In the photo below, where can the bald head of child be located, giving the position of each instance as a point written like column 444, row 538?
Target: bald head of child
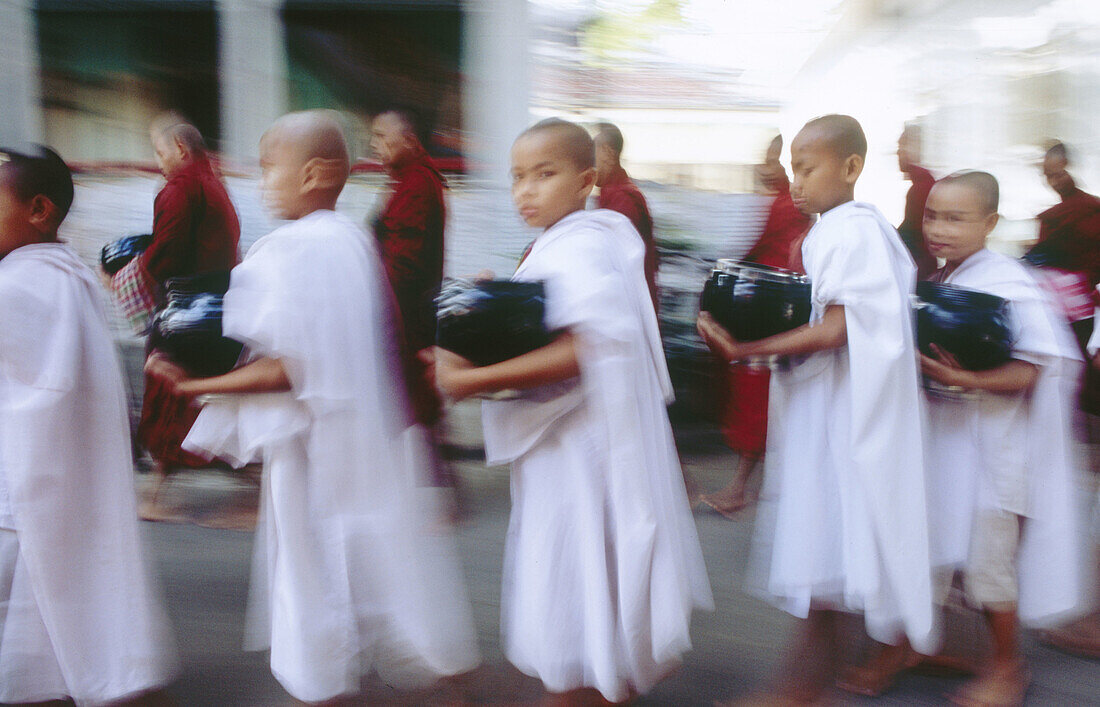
column 553, row 171
column 959, row 215
column 305, row 163
column 36, row 191
column 827, row 158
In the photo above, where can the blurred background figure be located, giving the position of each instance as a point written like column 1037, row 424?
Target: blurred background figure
column 409, row 227
column 911, row 229
column 745, row 418
column 195, row 231
column 619, row 193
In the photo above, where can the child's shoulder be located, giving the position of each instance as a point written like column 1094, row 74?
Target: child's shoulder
column 589, row 231
column 853, row 225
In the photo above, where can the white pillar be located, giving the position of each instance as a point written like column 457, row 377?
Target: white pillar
column 253, row 70
column 20, row 90
column 496, row 93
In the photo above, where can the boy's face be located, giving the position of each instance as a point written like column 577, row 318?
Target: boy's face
column 955, row 222
column 821, row 179
column 546, row 184
column 280, row 179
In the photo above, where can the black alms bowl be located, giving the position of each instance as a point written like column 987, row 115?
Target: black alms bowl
column 754, row 301
column 189, row 328
column 489, row 321
column 117, row 254
column 972, row 326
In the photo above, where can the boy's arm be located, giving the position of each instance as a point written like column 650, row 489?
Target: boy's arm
column 264, row 375
column 457, row 378
column 831, row 332
column 1012, row 377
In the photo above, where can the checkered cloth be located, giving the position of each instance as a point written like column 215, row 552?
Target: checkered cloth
column 134, row 291
column 1070, row 291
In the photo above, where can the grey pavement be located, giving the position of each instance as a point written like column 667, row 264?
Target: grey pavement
column 737, row 647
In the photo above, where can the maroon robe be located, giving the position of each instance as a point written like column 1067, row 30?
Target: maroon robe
column 1073, row 228
column 619, row 193
column 745, row 419
column 195, row 230
column 911, row 229
column 409, row 230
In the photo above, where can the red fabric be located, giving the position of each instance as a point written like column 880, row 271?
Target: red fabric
column 409, row 230
column 745, row 418
column 1073, row 226
column 195, row 230
column 911, row 229
column 195, row 227
column 745, row 423
column 620, row 194
column 784, row 226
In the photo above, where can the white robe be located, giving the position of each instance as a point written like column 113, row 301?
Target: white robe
column 842, row 520
column 602, row 563
column 79, row 612
column 352, row 569
column 1014, row 452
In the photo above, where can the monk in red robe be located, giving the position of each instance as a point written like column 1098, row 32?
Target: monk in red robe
column 745, row 419
column 619, row 193
column 195, row 230
column 409, row 229
column 1072, row 227
column 911, row 229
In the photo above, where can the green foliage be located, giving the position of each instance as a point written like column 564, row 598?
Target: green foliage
column 611, row 35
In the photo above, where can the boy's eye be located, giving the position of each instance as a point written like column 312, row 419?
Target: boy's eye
column 545, row 175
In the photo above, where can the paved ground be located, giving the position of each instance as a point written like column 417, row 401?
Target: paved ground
column 737, row 647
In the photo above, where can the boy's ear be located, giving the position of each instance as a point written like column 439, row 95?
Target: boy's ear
column 991, row 222
column 853, row 167
column 43, row 215
column 322, row 174
column 589, row 177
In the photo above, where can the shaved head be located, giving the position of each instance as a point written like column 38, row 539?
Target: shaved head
column 841, row 134
column 1057, row 151
column 174, row 127
column 573, row 140
column 305, row 163
column 775, row 149
column 982, row 184
column 610, row 135
column 306, row 135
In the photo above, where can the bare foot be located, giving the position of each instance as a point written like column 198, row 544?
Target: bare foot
column 1001, row 686
column 728, row 501
column 878, row 674
column 1082, row 637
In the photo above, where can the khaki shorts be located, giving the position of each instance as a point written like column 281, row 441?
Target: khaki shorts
column 991, row 580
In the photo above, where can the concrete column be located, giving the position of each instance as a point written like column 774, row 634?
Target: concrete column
column 496, row 93
column 253, row 70
column 20, row 89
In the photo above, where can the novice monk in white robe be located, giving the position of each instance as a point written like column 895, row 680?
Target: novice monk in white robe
column 602, row 564
column 79, row 614
column 842, row 523
column 1002, row 463
column 353, row 570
